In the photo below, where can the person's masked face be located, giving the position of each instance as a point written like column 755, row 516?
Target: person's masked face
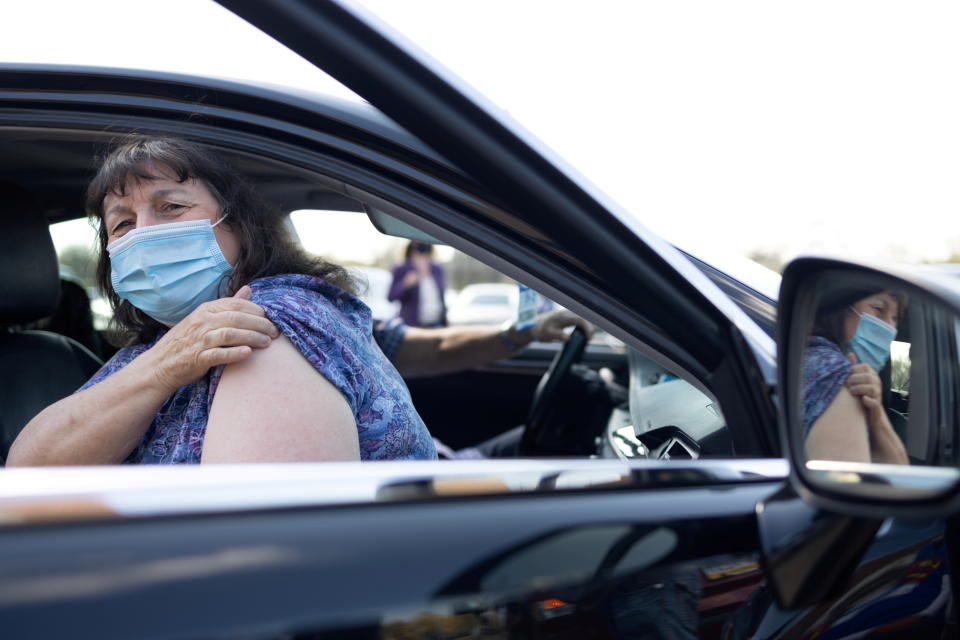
column 169, row 252
column 870, row 327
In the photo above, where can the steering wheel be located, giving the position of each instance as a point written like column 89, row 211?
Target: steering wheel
column 548, row 388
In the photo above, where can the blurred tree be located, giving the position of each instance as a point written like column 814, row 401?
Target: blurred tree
column 389, row 257
column 770, row 259
column 464, row 270
column 80, row 263
column 954, row 256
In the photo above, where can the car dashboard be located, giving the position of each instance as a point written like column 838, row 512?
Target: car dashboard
column 666, row 418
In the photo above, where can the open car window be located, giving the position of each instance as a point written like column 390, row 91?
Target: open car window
column 643, row 409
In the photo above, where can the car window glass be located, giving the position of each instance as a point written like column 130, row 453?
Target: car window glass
column 653, row 413
column 75, row 243
column 475, row 294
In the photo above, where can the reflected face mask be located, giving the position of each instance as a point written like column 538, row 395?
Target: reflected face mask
column 168, row 270
column 871, row 342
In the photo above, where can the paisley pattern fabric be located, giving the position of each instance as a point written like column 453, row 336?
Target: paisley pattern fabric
column 825, row 370
column 332, row 329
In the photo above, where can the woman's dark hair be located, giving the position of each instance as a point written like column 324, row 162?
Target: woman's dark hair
column 267, row 247
column 830, row 318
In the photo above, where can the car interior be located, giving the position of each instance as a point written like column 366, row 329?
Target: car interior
column 610, row 401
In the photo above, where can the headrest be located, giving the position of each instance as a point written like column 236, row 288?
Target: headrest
column 29, row 277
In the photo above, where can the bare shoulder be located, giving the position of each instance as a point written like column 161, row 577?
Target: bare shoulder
column 279, row 372
column 280, row 355
column 274, row 406
column 840, row 433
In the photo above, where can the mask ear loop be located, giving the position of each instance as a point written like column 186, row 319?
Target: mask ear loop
column 222, row 218
column 847, row 344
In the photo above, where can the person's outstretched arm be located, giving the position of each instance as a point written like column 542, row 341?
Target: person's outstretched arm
column 430, row 352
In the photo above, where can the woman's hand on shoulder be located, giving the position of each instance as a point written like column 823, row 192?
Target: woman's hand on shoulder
column 864, row 383
column 218, row 332
column 885, row 445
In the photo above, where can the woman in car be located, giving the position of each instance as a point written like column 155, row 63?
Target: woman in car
column 242, row 348
column 844, row 417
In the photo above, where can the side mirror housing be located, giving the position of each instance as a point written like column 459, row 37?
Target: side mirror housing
column 868, row 379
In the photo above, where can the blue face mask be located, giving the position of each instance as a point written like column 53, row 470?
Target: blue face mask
column 871, row 342
column 168, row 270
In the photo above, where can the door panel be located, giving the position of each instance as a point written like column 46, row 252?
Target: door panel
column 540, row 566
column 900, row 589
column 464, row 409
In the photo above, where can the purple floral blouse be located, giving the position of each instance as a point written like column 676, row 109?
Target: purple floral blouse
column 332, row 329
column 825, row 370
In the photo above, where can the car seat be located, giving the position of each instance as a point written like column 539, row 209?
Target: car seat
column 73, row 318
column 37, row 368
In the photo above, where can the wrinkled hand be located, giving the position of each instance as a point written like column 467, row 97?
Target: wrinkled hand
column 217, row 332
column 864, row 383
column 549, row 326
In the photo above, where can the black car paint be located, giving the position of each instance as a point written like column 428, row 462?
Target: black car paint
column 320, row 570
column 379, row 569
column 303, row 572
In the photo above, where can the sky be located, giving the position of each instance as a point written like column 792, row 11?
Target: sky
column 816, row 126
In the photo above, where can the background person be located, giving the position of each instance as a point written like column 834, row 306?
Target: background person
column 844, row 417
column 418, row 284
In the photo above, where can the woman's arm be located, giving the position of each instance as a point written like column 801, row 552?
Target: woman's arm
column 840, row 433
column 99, row 425
column 431, row 352
column 103, row 424
column 849, row 431
column 275, row 407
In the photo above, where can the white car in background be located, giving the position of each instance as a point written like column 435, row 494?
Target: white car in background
column 485, row 303
column 374, row 286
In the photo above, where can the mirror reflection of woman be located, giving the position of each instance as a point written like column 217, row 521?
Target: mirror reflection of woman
column 844, row 416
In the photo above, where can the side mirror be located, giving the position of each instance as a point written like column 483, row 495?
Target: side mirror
column 869, row 376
